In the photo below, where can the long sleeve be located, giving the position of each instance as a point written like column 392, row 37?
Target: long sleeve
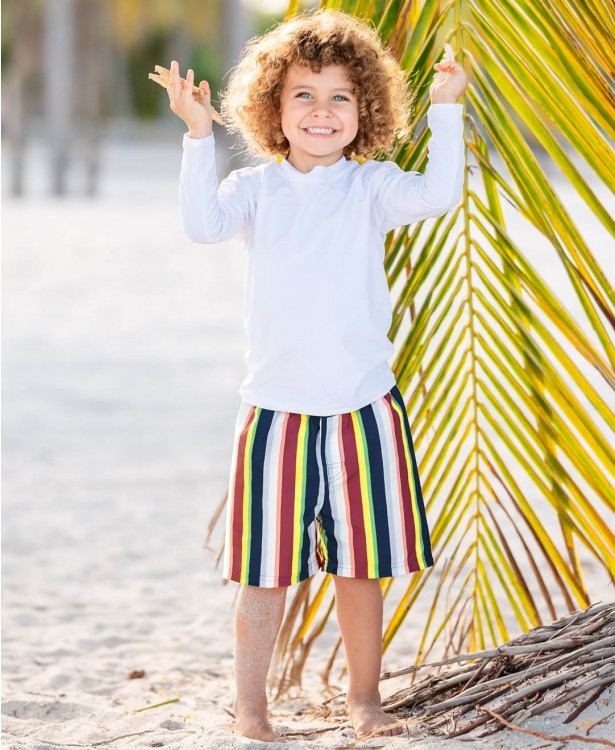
column 210, row 213
column 404, row 197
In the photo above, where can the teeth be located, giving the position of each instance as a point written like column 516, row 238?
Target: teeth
column 324, row 131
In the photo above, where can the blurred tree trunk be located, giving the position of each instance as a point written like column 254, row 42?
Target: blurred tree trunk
column 58, row 75
column 91, row 45
column 236, row 30
column 20, row 70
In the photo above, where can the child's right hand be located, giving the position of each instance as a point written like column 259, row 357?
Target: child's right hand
column 195, row 112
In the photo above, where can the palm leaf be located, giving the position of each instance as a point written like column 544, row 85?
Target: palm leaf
column 509, row 384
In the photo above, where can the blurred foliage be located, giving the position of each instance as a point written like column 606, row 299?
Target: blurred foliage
column 154, row 33
column 139, row 35
column 133, row 21
column 142, row 34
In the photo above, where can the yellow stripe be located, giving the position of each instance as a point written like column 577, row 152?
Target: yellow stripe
column 418, row 535
column 299, row 495
column 247, row 499
column 365, row 495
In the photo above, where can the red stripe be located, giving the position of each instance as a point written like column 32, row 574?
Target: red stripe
column 409, row 532
column 354, row 505
column 238, row 490
column 288, row 461
column 278, row 514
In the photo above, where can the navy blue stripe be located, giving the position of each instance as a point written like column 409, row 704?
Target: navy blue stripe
column 326, row 517
column 312, row 481
column 257, row 461
column 424, row 530
column 378, row 490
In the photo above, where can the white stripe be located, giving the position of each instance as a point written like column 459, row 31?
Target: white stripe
column 391, row 482
column 336, row 492
column 270, row 496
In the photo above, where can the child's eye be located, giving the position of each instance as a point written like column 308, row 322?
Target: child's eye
column 335, row 97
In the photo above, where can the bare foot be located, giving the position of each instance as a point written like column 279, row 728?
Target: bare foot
column 256, row 727
column 369, row 717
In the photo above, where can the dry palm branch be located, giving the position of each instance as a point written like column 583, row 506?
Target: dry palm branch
column 508, row 380
column 569, row 660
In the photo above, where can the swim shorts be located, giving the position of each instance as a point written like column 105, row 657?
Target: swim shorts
column 339, row 493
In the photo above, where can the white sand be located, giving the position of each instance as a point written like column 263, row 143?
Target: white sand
column 122, row 356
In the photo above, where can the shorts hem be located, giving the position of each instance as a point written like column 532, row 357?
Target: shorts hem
column 396, row 570
column 269, row 582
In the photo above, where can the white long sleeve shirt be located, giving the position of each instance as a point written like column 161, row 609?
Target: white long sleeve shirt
column 317, row 306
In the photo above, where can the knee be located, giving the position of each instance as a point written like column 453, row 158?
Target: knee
column 262, row 592
column 356, row 584
column 256, row 599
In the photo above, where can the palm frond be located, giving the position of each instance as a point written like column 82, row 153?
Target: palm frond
column 509, row 381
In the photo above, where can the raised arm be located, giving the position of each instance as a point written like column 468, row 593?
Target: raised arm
column 405, row 197
column 208, row 212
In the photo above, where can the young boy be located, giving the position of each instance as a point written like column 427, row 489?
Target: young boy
column 323, row 474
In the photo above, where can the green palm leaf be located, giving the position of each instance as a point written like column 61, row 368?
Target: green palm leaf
column 507, row 383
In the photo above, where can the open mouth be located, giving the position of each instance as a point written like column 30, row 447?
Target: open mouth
column 320, row 132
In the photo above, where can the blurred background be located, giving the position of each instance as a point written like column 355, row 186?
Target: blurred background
column 75, row 74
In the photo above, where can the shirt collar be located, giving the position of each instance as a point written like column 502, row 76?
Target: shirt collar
column 320, row 171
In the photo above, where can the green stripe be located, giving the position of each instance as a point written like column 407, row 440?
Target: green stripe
column 246, row 536
column 303, row 494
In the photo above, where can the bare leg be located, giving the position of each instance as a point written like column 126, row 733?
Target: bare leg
column 257, row 622
column 359, row 614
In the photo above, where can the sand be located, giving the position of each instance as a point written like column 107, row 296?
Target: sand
column 122, row 355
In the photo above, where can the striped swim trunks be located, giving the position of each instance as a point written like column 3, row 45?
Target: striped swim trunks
column 339, row 493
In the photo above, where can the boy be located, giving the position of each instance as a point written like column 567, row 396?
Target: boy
column 323, row 473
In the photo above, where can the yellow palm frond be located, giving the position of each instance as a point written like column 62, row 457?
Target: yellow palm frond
column 503, row 321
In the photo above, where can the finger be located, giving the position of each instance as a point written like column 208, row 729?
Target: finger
column 175, row 86
column 188, row 84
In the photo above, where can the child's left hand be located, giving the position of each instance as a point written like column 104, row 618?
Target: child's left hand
column 454, row 85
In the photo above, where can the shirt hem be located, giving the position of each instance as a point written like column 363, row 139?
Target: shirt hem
column 319, row 411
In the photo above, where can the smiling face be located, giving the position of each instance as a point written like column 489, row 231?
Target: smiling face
column 319, row 115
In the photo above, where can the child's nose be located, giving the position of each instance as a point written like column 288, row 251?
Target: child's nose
column 321, row 107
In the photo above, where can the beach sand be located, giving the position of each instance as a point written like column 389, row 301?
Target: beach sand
column 123, row 350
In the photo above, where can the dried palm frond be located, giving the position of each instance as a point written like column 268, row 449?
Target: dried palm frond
column 504, row 323
column 570, row 661
column 572, row 658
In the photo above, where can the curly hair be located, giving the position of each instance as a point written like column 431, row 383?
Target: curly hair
column 250, row 105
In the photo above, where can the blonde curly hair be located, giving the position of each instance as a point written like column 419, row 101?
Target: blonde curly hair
column 250, row 105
